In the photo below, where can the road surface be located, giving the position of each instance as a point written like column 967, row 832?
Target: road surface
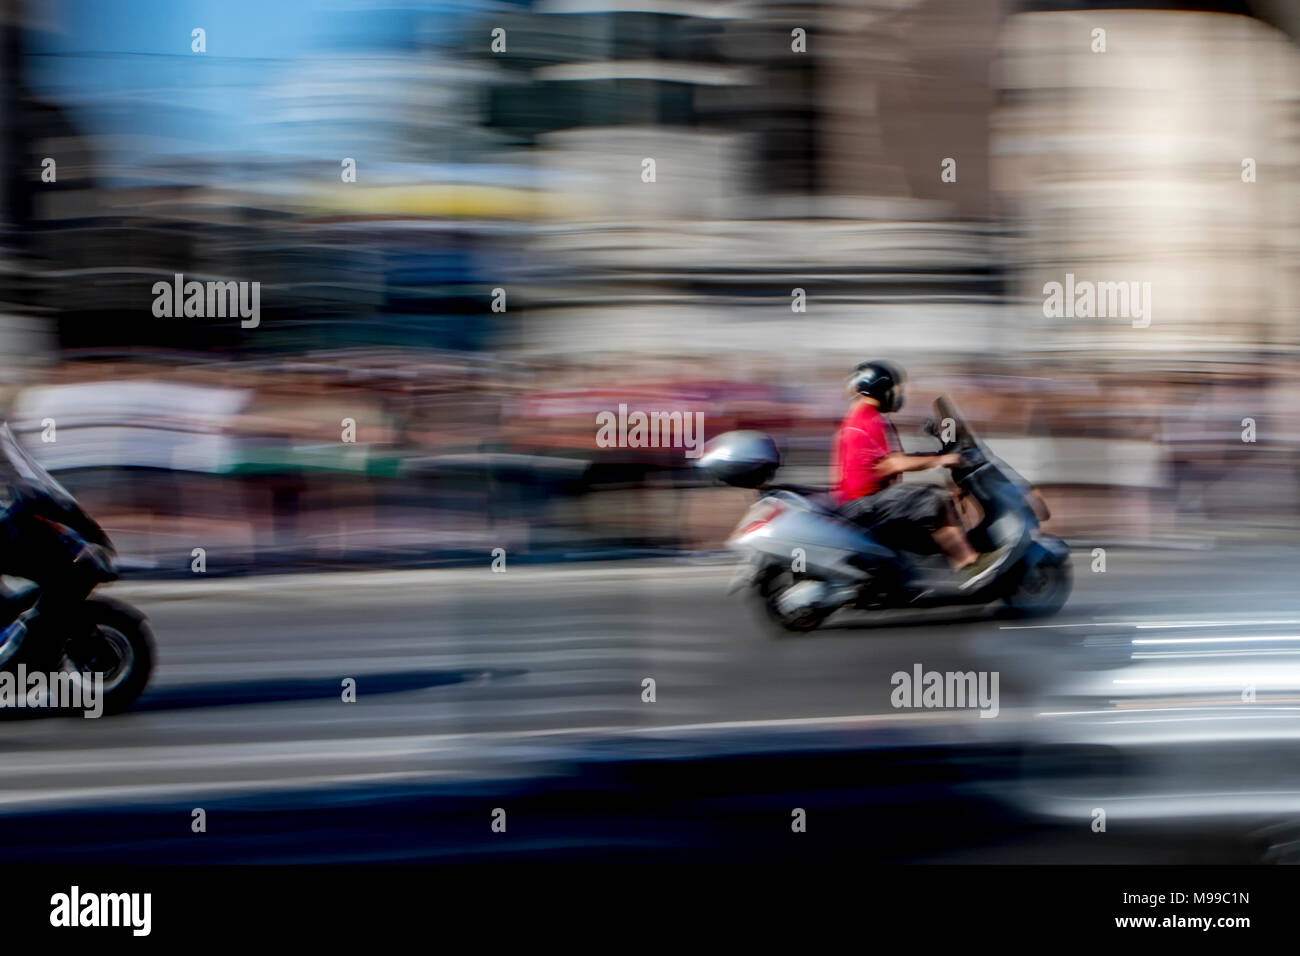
column 466, row 674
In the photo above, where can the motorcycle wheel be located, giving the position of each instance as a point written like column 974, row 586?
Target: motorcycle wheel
column 1041, row 590
column 767, row 589
column 119, row 643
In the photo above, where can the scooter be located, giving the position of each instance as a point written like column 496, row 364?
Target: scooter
column 803, row 560
column 86, row 638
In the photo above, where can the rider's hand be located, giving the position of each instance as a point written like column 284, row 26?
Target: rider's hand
column 949, row 461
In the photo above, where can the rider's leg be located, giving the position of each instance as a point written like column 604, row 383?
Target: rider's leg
column 61, row 563
column 952, row 542
column 949, row 536
column 906, row 513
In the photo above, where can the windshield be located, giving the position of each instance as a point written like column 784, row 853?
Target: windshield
column 30, row 471
column 945, row 410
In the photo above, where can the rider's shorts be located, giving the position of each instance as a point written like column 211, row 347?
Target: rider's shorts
column 903, row 516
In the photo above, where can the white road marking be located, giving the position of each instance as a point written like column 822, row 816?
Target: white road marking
column 1150, row 625
column 1234, row 639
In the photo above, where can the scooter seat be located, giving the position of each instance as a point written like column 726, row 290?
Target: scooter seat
column 819, row 497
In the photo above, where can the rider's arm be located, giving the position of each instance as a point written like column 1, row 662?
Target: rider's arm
column 897, row 463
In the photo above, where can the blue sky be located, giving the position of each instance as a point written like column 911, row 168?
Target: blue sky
column 126, row 67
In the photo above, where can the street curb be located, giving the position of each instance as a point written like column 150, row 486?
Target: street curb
column 197, row 587
column 706, row 564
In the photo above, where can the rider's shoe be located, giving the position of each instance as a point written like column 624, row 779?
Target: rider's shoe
column 983, row 570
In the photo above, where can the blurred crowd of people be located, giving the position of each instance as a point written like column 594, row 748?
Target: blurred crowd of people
column 357, row 454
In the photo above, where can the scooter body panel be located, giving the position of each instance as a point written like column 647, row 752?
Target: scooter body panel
column 830, row 547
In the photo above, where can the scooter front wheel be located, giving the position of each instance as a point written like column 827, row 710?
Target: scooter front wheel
column 1042, row 589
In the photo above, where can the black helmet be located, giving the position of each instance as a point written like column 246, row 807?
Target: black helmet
column 882, row 381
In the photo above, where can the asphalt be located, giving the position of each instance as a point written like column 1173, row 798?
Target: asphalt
column 454, row 668
column 467, row 675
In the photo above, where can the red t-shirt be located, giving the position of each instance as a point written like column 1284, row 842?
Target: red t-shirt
column 862, row 441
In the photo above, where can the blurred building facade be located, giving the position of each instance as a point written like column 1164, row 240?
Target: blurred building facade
column 1169, row 158
column 831, row 181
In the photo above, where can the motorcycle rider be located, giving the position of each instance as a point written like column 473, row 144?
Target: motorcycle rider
column 867, row 462
column 52, row 555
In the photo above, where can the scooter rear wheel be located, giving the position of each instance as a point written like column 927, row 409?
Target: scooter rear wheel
column 767, row 590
